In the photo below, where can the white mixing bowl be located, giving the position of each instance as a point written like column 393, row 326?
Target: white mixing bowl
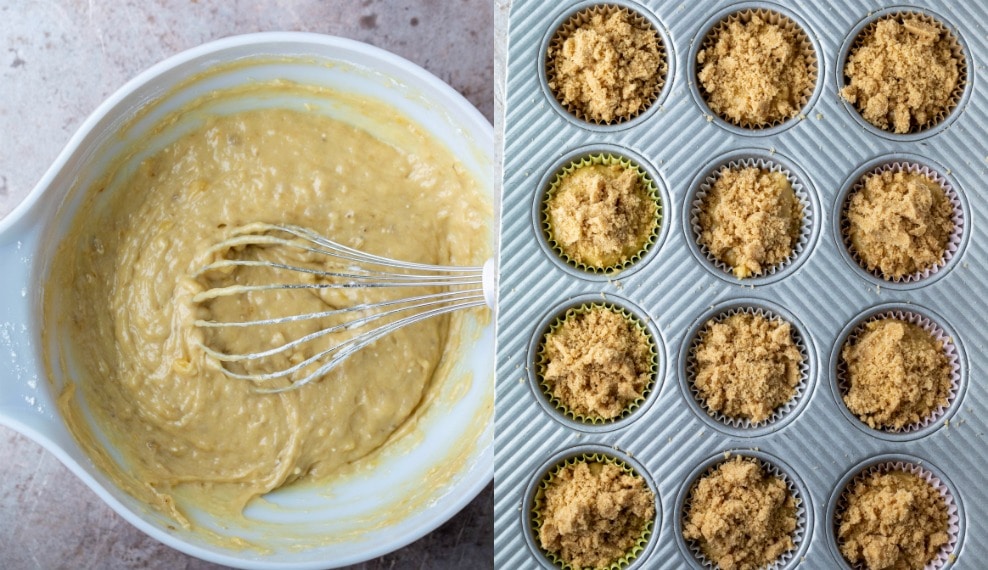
column 405, row 494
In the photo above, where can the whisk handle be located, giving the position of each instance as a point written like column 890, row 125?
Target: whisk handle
column 490, row 283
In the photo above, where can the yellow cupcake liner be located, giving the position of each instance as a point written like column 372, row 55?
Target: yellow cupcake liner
column 570, row 26
column 541, row 363
column 536, row 514
column 605, row 159
column 944, row 556
column 953, row 241
column 798, row 536
column 941, row 336
column 955, row 48
column 775, row 18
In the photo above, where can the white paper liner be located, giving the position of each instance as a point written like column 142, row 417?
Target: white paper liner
column 780, row 412
column 953, row 515
column 764, row 164
column 575, row 21
column 949, row 349
column 779, row 19
column 540, row 364
column 953, row 241
column 773, row 470
column 956, row 50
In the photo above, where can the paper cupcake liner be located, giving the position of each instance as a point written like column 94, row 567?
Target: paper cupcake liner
column 802, row 194
column 943, row 558
column 536, row 514
column 949, row 349
column 777, row 19
column 541, row 363
column 798, row 535
column 607, row 159
column 953, row 241
column 956, row 50
column 582, row 17
column 780, row 412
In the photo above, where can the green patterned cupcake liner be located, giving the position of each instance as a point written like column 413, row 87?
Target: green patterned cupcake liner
column 538, row 500
column 605, row 159
column 542, row 363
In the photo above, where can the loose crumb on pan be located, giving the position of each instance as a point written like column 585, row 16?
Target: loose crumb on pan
column 609, row 68
column 594, row 513
column 747, row 366
column 902, row 73
column 601, row 215
column 897, row 373
column 756, row 73
column 893, row 520
column 750, row 219
column 741, row 517
column 900, row 222
column 597, row 363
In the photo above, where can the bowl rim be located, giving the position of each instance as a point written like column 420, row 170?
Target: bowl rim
column 28, row 209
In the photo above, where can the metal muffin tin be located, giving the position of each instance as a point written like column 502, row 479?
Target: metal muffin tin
column 818, row 444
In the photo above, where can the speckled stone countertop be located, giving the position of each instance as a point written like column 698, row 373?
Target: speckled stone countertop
column 58, row 60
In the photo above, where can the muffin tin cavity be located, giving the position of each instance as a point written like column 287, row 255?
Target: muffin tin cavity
column 600, row 156
column 892, row 463
column 765, row 161
column 739, row 426
column 537, row 362
column 958, row 97
column 650, row 88
column 794, row 29
column 931, row 323
column 912, row 164
column 771, row 466
column 532, row 517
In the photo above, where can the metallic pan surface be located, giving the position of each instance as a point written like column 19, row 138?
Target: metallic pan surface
column 675, row 288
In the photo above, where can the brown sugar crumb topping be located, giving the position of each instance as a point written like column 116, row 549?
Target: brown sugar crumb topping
column 750, row 219
column 894, row 521
column 594, row 513
column 601, row 215
column 900, row 223
column 903, row 73
column 597, row 363
column 741, row 517
column 898, row 374
column 609, row 67
column 756, row 73
column 747, row 366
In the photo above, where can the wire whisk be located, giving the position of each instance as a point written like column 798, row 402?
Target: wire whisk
column 247, row 279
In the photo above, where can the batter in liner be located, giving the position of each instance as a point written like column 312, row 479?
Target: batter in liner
column 185, row 429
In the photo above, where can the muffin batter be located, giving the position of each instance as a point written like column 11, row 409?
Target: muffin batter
column 184, row 428
column 899, row 223
column 750, row 219
column 594, row 513
column 893, row 521
column 756, row 73
column 897, row 374
column 597, row 363
column 904, row 73
column 741, row 517
column 601, row 215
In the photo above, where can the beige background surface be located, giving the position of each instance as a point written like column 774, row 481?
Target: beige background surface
column 58, row 61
